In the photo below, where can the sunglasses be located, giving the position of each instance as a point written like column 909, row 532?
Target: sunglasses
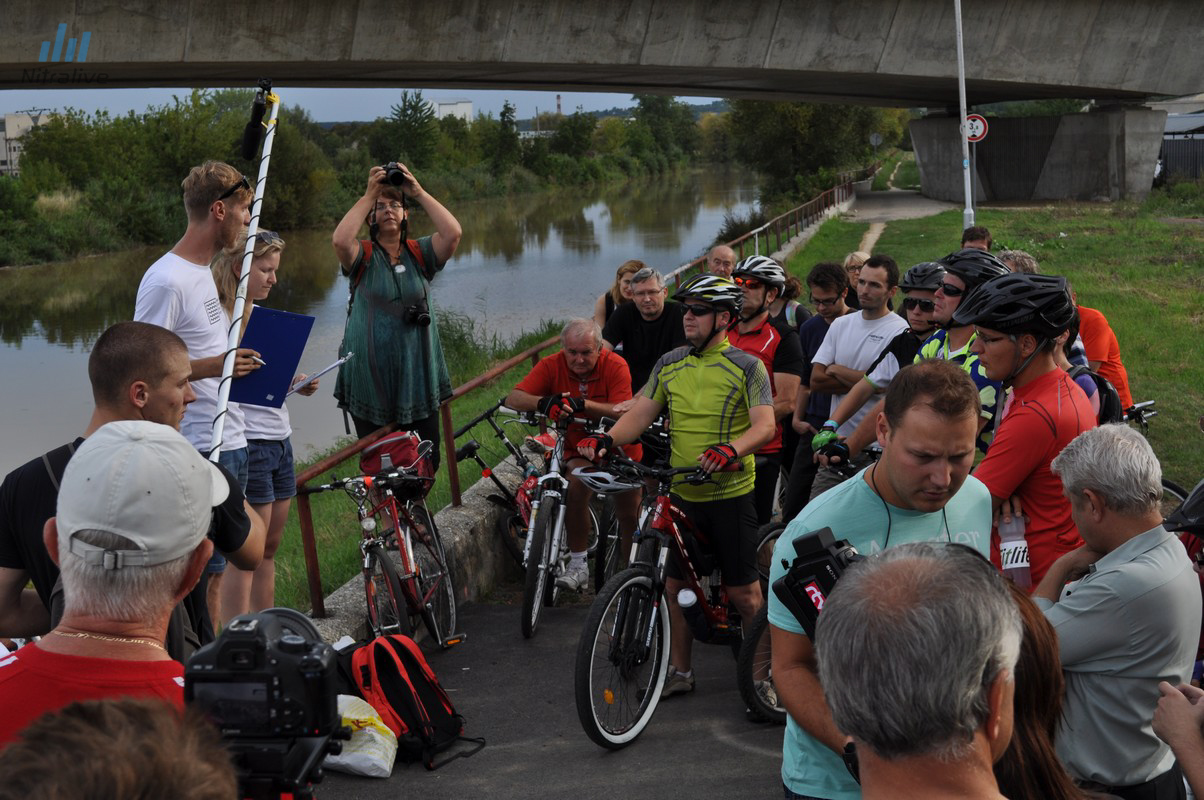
column 243, row 183
column 949, row 290
column 268, row 237
column 698, row 310
column 747, row 283
column 910, row 303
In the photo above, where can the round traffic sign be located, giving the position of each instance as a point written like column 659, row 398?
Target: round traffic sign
column 976, row 127
column 875, row 138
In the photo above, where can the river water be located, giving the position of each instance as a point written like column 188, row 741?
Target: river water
column 521, row 260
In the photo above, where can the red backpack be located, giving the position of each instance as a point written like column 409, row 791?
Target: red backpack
column 391, row 673
column 399, row 451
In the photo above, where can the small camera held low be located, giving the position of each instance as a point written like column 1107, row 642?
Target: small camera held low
column 819, row 562
column 418, row 314
column 394, row 174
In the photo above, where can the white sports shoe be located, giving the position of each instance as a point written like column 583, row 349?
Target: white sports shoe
column 574, row 578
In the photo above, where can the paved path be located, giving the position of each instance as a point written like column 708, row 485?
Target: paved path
column 519, row 695
column 895, row 204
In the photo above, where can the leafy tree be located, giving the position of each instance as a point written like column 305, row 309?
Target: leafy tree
column 610, row 137
column 715, row 138
column 671, row 123
column 415, row 129
column 504, row 150
column 574, row 134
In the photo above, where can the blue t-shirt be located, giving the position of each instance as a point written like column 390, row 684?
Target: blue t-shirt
column 811, row 335
column 855, row 512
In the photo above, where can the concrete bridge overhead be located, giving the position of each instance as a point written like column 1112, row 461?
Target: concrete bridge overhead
column 880, row 52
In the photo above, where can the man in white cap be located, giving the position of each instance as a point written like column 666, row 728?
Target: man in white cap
column 130, row 541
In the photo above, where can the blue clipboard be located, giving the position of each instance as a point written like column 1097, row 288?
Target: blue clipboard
column 279, row 337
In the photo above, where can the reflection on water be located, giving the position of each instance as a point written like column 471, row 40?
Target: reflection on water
column 521, row 260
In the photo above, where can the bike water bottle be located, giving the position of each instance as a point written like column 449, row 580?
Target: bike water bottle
column 687, row 600
column 1013, row 551
column 826, row 435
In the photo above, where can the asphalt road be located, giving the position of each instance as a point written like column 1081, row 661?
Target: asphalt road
column 518, row 694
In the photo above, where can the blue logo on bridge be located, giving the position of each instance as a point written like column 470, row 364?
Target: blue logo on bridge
column 71, row 54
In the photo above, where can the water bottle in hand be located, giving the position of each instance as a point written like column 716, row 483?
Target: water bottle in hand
column 1013, row 551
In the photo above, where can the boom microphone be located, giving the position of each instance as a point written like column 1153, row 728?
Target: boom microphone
column 252, row 135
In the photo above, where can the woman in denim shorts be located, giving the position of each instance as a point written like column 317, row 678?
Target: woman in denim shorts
column 271, row 482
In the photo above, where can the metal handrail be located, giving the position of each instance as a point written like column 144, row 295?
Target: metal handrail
column 798, row 219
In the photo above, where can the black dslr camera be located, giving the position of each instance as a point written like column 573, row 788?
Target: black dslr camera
column 419, row 314
column 819, row 562
column 269, row 684
column 394, row 175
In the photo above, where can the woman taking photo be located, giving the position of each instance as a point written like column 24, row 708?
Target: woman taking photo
column 398, row 373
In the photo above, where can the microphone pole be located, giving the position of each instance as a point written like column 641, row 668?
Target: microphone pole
column 250, row 143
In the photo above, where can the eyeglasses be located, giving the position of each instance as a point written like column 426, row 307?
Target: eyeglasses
column 819, row 303
column 646, row 293
column 910, row 303
column 243, row 183
column 993, row 339
column 747, row 283
column 949, row 290
column 269, row 238
column 699, row 310
column 394, row 206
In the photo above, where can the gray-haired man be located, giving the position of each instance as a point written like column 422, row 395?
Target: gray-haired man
column 648, row 327
column 921, row 732
column 1129, row 618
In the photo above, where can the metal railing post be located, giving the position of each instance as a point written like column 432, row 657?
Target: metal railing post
column 449, row 452
column 310, row 549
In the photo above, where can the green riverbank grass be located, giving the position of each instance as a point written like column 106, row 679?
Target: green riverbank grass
column 834, row 240
column 336, row 530
column 1145, row 273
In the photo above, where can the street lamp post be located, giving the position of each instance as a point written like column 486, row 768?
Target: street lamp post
column 968, row 214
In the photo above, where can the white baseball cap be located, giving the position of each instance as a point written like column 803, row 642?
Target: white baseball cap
column 144, row 481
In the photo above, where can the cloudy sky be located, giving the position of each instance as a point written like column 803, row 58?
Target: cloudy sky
column 324, row 105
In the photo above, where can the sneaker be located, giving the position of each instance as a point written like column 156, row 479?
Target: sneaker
column 574, row 578
column 768, row 693
column 676, row 683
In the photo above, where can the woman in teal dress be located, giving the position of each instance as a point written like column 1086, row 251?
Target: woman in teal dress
column 398, row 373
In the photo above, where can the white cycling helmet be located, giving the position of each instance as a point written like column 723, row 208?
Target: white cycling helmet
column 603, row 482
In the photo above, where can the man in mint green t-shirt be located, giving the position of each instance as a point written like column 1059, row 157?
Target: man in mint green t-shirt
column 920, row 490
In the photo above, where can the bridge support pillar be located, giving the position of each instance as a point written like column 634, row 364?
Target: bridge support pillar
column 1106, row 154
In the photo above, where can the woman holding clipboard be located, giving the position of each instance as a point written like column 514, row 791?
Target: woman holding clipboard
column 271, row 482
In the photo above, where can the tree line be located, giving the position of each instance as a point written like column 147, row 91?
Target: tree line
column 97, row 183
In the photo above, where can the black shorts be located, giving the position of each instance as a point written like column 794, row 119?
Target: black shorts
column 731, row 528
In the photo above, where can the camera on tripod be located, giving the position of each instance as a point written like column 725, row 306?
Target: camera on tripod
column 820, row 560
column 269, row 684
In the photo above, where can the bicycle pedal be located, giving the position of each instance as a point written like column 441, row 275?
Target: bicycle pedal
column 454, row 639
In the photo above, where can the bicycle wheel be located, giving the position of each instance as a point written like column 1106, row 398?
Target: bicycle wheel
column 1173, row 496
column 767, row 539
column 539, row 565
column 606, row 555
column 754, row 672
column 435, row 588
column 382, row 589
column 510, row 530
column 617, row 678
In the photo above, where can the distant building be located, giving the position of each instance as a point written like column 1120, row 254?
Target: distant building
column 458, row 107
column 14, row 127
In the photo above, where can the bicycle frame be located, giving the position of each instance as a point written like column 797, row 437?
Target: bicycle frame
column 551, row 484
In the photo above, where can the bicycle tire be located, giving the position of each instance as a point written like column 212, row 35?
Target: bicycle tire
column 754, row 672
column 606, row 555
column 510, row 530
column 436, row 589
column 539, row 565
column 387, row 609
column 1173, row 496
column 767, row 539
column 616, row 686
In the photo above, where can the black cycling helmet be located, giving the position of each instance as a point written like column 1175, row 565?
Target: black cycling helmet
column 974, row 266
column 1017, row 303
column 763, row 269
column 717, row 290
column 925, row 275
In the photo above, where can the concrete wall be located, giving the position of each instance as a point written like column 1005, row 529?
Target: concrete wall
column 877, row 52
column 1103, row 155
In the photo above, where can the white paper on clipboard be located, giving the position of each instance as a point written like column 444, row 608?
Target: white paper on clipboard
column 317, row 375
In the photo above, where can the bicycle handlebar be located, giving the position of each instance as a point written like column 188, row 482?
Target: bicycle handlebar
column 484, row 415
column 342, row 483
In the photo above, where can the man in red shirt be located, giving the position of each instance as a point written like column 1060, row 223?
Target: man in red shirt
column 581, row 379
column 778, row 348
column 130, row 540
column 1016, row 318
column 1103, row 351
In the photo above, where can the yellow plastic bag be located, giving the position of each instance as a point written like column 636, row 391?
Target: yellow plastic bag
column 372, row 748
